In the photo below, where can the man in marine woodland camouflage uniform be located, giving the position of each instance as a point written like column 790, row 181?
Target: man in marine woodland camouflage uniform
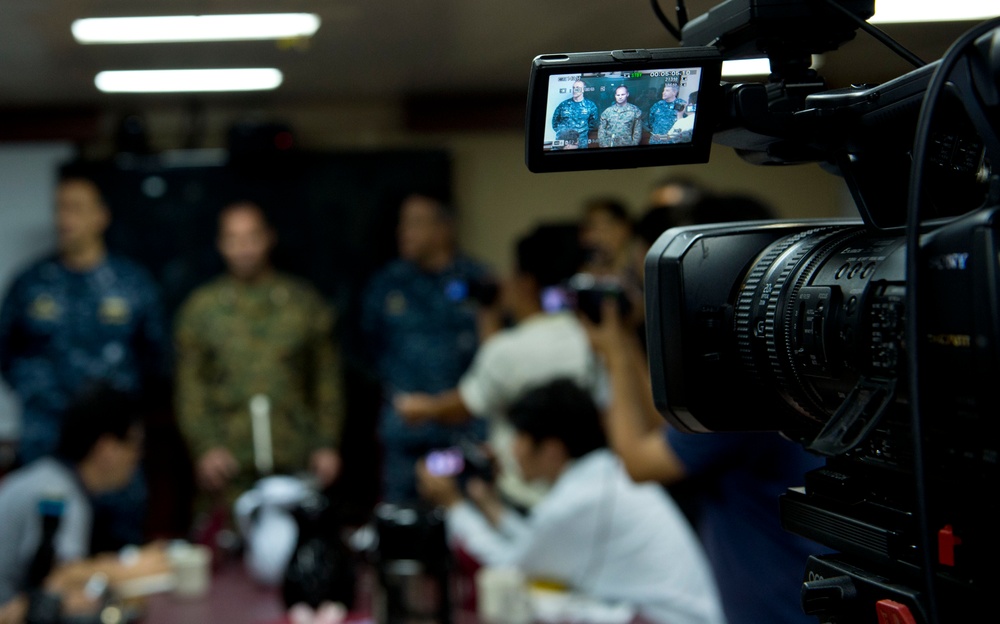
column 664, row 114
column 621, row 123
column 576, row 113
column 255, row 334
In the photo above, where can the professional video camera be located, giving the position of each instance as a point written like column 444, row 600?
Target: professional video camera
column 829, row 331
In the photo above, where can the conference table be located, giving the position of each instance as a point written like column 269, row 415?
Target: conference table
column 235, row 598
column 232, row 598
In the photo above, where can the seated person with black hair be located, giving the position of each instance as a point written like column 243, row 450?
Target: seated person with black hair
column 540, row 346
column 596, row 532
column 99, row 448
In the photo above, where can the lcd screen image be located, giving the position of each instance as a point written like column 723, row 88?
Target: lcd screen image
column 621, row 109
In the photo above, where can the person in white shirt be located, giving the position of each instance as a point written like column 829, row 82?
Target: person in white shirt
column 541, row 346
column 596, row 532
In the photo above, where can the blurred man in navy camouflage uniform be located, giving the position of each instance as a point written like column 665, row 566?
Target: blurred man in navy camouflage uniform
column 576, row 113
column 664, row 114
column 420, row 325
column 257, row 332
column 76, row 319
column 621, row 123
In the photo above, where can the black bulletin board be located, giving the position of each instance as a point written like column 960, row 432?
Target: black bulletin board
column 335, row 216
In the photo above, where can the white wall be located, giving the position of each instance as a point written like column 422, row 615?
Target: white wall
column 27, row 178
column 500, row 199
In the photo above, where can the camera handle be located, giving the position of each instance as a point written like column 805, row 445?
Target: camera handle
column 856, row 417
column 977, row 79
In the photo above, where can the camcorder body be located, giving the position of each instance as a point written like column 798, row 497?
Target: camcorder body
column 803, row 325
column 817, row 329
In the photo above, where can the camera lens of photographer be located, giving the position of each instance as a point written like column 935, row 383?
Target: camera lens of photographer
column 586, row 293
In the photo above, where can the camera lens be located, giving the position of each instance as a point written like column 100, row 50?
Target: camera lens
column 798, row 319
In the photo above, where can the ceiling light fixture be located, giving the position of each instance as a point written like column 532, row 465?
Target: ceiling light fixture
column 182, row 28
column 188, row 80
column 902, row 11
column 757, row 66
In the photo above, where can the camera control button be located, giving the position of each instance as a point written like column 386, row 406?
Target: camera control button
column 892, row 611
column 842, row 270
column 854, row 271
column 828, row 595
column 947, row 543
column 867, row 270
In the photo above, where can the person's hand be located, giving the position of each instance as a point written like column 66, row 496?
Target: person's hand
column 610, row 335
column 215, row 469
column 438, row 490
column 14, row 610
column 129, row 563
column 415, row 408
column 74, row 580
column 487, row 498
column 325, row 465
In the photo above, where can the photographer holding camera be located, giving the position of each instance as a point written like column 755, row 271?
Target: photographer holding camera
column 539, row 347
column 595, row 533
column 421, row 333
column 758, row 565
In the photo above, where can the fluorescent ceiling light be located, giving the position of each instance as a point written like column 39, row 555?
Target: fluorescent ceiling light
column 188, row 80
column 756, row 66
column 898, row 11
column 195, row 28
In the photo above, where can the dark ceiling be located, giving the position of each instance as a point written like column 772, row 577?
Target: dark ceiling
column 373, row 49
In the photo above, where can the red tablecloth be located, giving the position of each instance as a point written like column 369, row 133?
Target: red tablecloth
column 233, row 598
